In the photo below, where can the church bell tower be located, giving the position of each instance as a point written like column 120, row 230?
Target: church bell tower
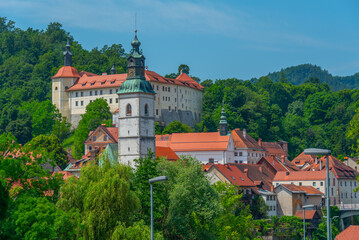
column 136, row 110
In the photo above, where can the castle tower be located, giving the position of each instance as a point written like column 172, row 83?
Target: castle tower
column 223, row 125
column 64, row 79
column 136, row 133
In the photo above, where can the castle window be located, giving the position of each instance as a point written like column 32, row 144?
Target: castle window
column 76, row 103
column 110, row 91
column 90, row 93
column 175, row 99
column 82, row 103
column 90, row 148
column 163, row 88
column 157, row 87
column 55, row 88
column 176, row 109
column 100, row 92
column 166, row 98
column 110, row 100
column 105, row 138
column 96, row 93
column 82, row 94
column 169, row 89
column 76, row 94
column 175, row 89
column 116, row 100
column 169, row 108
column 163, row 98
column 156, row 111
column 128, row 110
column 169, row 99
column 146, row 109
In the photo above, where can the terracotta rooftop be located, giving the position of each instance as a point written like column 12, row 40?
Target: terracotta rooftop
column 309, row 190
column 65, row 174
column 111, row 131
column 274, row 149
column 167, row 153
column 309, row 214
column 300, row 176
column 243, row 140
column 302, row 159
column 92, row 81
column 234, row 175
column 339, row 168
column 67, row 71
column 190, row 142
column 350, row 233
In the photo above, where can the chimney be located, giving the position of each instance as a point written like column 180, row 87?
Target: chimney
column 260, row 142
column 244, row 133
column 272, row 188
column 287, row 173
column 261, row 169
column 320, row 163
column 246, row 172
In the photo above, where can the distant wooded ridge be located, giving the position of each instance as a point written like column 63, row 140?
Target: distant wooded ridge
column 299, row 74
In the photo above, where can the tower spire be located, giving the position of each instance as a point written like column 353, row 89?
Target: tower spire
column 68, row 54
column 223, row 125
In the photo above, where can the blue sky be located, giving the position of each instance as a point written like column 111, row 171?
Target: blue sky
column 217, row 39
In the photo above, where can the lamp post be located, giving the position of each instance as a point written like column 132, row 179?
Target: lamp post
column 326, row 152
column 151, row 181
column 304, row 207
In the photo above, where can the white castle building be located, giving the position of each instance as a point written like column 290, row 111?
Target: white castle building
column 178, row 99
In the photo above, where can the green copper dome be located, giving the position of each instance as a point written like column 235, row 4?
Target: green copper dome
column 223, row 117
column 136, row 85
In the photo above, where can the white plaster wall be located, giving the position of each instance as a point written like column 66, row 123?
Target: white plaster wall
column 204, row 156
column 346, row 193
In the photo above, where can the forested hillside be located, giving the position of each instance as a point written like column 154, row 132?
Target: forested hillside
column 28, row 59
column 299, row 74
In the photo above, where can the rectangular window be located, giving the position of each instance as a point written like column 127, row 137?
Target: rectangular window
column 175, row 99
column 235, row 153
column 314, row 183
column 175, row 89
column 100, row 92
column 163, row 98
column 300, row 183
column 110, row 91
column 96, row 93
column 77, row 94
column 333, row 181
column 240, row 154
column 116, row 100
column 156, row 111
column 169, row 108
column 82, row 94
column 82, row 103
column 77, row 103
column 163, row 88
column 110, row 100
column 169, row 89
column 90, row 93
column 169, row 99
column 211, row 160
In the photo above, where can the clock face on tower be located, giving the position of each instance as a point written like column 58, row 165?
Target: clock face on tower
column 131, row 72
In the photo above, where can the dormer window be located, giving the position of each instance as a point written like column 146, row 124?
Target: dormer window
column 128, row 110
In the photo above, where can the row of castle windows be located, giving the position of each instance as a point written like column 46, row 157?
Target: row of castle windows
column 82, row 102
column 129, row 110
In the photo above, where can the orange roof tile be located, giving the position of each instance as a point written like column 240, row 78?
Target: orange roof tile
column 65, row 174
column 167, row 153
column 309, row 190
column 91, row 81
column 234, row 175
column 302, row 158
column 274, row 149
column 67, row 71
column 183, row 77
column 309, row 214
column 339, row 168
column 193, row 142
column 259, row 174
column 350, row 233
column 300, row 175
column 274, row 162
column 241, row 141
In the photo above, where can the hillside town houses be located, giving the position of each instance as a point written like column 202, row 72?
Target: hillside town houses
column 141, row 97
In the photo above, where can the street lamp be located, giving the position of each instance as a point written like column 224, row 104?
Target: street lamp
column 151, row 181
column 304, row 207
column 326, row 152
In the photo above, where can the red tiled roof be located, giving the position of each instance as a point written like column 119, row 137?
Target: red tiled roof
column 65, row 174
column 241, row 141
column 309, row 214
column 339, row 168
column 350, row 233
column 302, row 158
column 167, row 153
column 113, row 132
column 183, row 77
column 87, row 73
column 274, row 162
column 300, row 176
column 193, row 142
column 67, row 71
column 309, row 190
column 206, row 167
column 234, row 175
column 274, row 149
column 91, row 81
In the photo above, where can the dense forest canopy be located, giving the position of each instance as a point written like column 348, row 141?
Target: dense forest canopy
column 297, row 104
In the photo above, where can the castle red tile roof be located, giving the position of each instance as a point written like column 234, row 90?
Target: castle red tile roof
column 183, row 77
column 300, row 176
column 243, row 140
column 339, row 168
column 234, row 175
column 167, row 153
column 92, row 81
column 194, row 142
column 309, row 214
column 309, row 190
column 274, row 163
column 350, row 233
column 67, row 71
column 274, row 149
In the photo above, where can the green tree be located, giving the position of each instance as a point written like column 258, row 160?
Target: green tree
column 103, row 196
column 176, row 127
column 184, row 68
